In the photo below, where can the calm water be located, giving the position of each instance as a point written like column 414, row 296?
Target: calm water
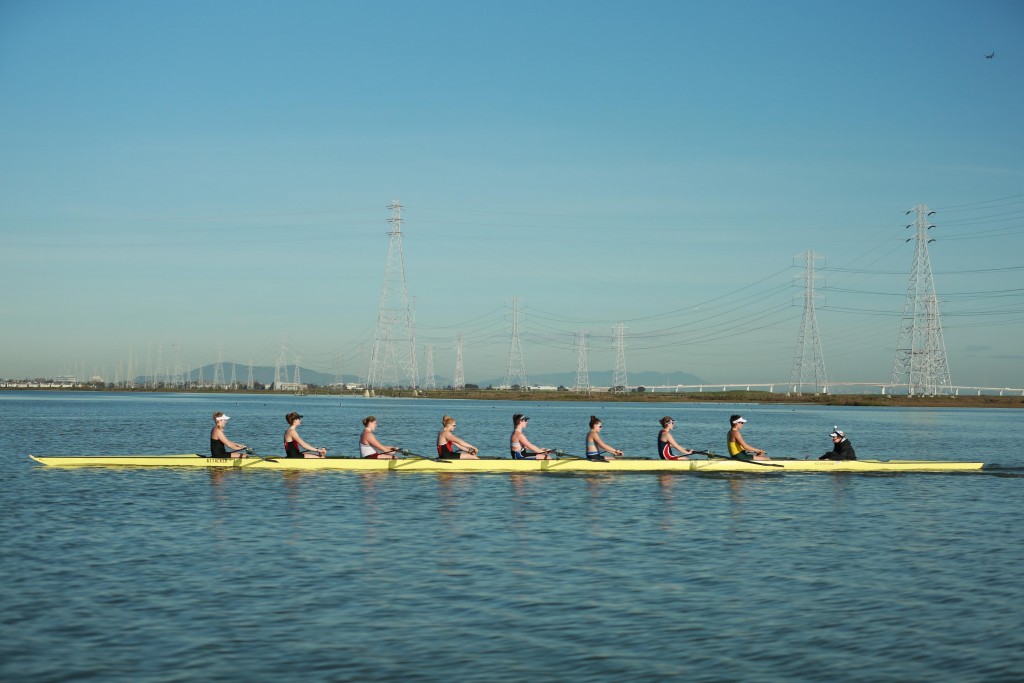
column 173, row 575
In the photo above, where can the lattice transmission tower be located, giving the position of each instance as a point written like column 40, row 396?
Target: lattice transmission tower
column 176, row 380
column 430, row 378
column 808, row 361
column 218, row 369
column 339, row 375
column 280, row 367
column 460, row 377
column 619, row 378
column 130, row 372
column 515, row 372
column 582, row 375
column 920, row 362
column 160, row 375
column 394, row 344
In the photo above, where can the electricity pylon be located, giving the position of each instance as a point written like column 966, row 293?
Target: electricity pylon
column 582, row 375
column 920, row 362
column 460, row 376
column 339, row 376
column 218, row 369
column 430, row 379
column 619, row 378
column 278, row 378
column 515, row 373
column 808, row 361
column 394, row 344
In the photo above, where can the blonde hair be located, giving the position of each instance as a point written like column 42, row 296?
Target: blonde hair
column 447, row 420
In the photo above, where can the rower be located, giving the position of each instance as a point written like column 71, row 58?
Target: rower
column 451, row 447
column 666, row 442
column 738, row 448
column 595, row 446
column 220, row 445
column 369, row 446
column 518, row 443
column 292, row 440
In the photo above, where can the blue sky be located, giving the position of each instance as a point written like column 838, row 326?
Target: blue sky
column 205, row 179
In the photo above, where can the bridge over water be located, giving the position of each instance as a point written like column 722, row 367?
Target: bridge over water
column 851, row 388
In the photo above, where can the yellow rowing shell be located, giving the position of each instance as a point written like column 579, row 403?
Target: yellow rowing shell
column 505, row 465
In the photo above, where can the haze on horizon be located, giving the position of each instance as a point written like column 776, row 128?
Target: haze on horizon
column 182, row 183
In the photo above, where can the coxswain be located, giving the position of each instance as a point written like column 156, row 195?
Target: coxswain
column 842, row 449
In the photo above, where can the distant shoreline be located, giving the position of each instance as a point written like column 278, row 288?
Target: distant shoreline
column 873, row 400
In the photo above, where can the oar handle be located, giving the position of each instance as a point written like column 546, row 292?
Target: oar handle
column 563, row 454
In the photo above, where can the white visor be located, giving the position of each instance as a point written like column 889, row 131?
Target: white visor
column 737, row 421
column 223, row 417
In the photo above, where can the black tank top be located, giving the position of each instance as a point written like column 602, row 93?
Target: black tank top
column 217, row 449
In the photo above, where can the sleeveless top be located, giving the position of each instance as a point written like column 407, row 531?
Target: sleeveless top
column 665, row 448
column 513, row 445
column 291, row 450
column 217, row 449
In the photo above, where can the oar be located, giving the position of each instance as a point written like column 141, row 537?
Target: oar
column 570, row 456
column 417, row 456
column 253, row 454
column 712, row 455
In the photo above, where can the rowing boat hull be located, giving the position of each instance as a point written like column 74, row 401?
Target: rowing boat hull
column 503, row 465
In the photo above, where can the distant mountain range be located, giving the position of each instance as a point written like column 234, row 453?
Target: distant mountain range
column 264, row 374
